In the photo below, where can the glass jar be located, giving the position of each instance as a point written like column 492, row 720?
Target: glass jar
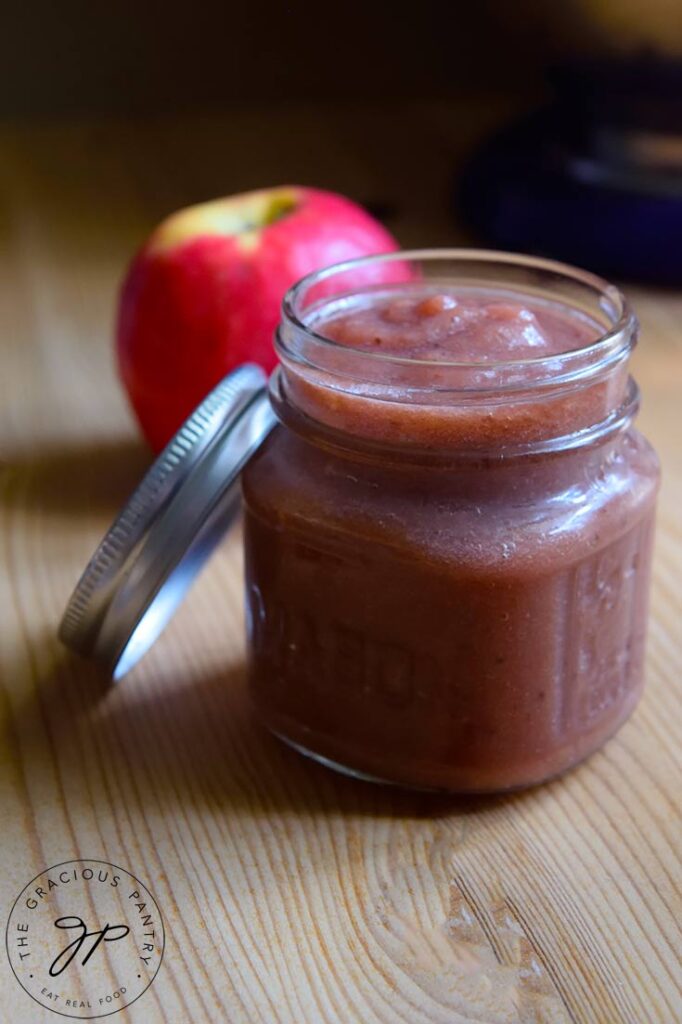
column 447, row 564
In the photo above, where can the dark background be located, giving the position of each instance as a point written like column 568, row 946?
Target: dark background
column 129, row 109
column 132, row 56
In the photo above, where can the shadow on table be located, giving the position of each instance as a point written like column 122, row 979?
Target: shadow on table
column 197, row 744
column 192, row 741
column 80, row 479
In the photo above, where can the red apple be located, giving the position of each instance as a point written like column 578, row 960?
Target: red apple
column 204, row 292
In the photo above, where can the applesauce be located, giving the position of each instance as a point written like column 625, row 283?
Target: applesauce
column 448, row 535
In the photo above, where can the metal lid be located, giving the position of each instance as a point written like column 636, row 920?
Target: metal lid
column 164, row 534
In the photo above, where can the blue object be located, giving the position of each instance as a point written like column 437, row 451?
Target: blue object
column 564, row 184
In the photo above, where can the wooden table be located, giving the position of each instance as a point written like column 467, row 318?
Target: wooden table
column 289, row 893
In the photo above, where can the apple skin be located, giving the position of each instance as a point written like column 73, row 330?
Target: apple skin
column 204, row 293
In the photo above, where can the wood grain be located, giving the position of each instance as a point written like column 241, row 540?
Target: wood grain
column 288, row 893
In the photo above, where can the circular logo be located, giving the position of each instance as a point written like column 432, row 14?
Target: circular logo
column 85, row 938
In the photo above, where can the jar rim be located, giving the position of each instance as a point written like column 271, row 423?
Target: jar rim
column 609, row 346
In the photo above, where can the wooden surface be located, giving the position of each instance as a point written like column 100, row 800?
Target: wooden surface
column 288, row 893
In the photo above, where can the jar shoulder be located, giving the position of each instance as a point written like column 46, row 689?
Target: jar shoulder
column 486, row 513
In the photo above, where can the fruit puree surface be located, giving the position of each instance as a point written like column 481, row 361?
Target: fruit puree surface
column 471, row 622
column 460, row 326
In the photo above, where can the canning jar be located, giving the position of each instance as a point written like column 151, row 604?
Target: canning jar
column 447, row 559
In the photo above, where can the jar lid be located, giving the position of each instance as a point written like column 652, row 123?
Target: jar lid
column 162, row 537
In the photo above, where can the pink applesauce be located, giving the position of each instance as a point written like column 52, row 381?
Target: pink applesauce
column 448, row 538
column 462, row 326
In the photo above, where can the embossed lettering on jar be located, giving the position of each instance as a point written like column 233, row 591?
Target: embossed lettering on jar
column 448, row 536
